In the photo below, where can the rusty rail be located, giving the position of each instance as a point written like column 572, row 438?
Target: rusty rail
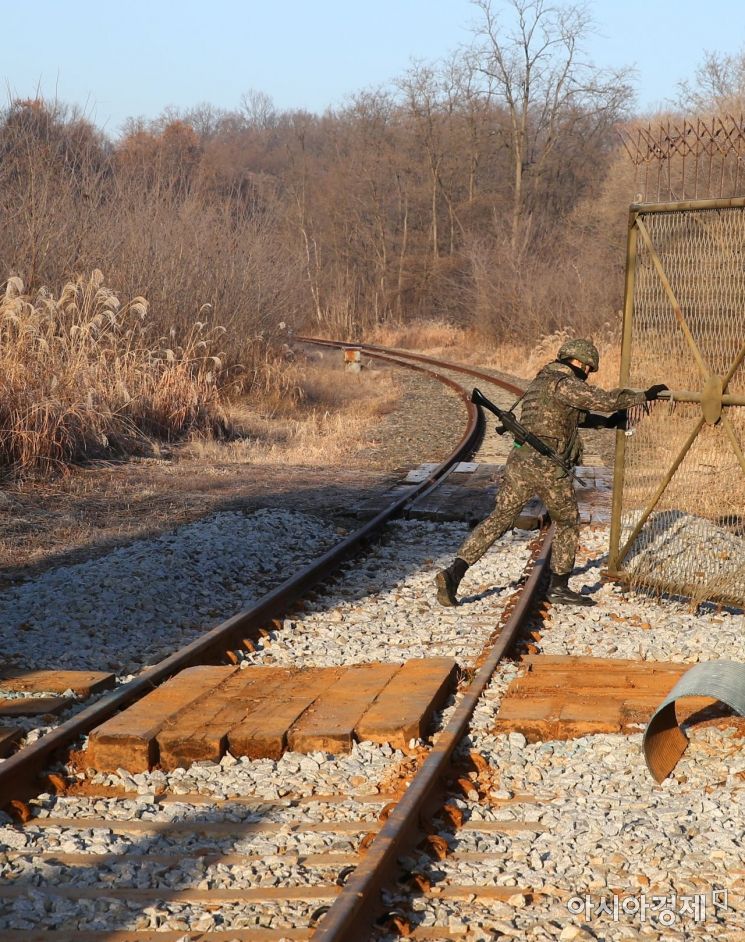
column 352, row 914
column 390, row 353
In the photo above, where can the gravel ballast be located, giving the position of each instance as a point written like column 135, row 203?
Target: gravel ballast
column 140, row 602
column 598, row 823
column 604, row 829
column 390, row 588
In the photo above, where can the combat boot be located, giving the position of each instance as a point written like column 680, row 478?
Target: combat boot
column 560, row 594
column 448, row 580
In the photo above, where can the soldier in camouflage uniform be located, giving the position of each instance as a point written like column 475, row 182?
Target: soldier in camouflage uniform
column 555, row 404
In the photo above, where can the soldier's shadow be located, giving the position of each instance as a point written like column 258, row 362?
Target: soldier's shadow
column 590, row 588
column 598, row 563
column 491, row 592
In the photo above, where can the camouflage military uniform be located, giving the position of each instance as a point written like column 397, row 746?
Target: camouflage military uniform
column 553, row 406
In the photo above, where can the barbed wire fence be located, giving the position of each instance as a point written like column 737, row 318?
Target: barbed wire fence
column 687, row 159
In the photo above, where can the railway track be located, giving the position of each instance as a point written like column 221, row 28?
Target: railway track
column 234, row 631
column 444, row 840
column 96, row 808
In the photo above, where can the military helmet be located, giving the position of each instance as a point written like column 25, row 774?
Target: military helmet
column 583, row 350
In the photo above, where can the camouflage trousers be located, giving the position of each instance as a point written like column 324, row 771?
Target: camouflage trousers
column 527, row 474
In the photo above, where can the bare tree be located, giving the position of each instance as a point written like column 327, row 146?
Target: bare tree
column 258, row 109
column 473, row 104
column 546, row 88
column 719, row 85
column 421, row 88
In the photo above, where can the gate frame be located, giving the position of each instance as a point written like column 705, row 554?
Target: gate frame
column 712, row 395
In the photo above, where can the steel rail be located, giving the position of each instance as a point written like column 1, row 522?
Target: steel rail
column 355, row 909
column 19, row 771
column 391, row 352
column 351, row 916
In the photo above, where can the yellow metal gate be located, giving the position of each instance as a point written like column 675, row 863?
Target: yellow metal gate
column 678, row 521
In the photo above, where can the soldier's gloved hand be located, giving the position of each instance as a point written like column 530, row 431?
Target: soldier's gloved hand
column 618, row 419
column 654, row 391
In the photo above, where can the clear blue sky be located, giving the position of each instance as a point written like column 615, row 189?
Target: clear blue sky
column 134, row 58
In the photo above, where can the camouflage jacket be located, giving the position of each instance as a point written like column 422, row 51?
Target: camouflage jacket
column 556, row 402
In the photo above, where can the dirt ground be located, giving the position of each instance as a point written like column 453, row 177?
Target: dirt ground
column 320, row 462
column 97, row 508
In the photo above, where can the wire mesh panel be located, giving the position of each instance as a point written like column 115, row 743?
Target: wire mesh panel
column 679, row 496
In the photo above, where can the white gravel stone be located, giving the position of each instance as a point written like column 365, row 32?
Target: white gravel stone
column 393, row 589
column 608, row 826
column 139, row 602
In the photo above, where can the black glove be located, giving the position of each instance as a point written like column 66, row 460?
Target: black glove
column 614, row 420
column 654, row 392
column 618, row 419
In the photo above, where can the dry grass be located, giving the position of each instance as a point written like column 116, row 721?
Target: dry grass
column 517, row 358
column 82, row 378
column 422, row 336
column 322, row 423
column 524, row 360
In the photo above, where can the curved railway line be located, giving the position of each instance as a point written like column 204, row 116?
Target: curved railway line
column 17, row 772
column 164, row 856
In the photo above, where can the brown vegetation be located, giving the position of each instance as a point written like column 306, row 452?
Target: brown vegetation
column 83, row 377
column 517, row 357
column 326, row 420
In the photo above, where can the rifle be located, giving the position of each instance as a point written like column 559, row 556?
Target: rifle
column 510, row 423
